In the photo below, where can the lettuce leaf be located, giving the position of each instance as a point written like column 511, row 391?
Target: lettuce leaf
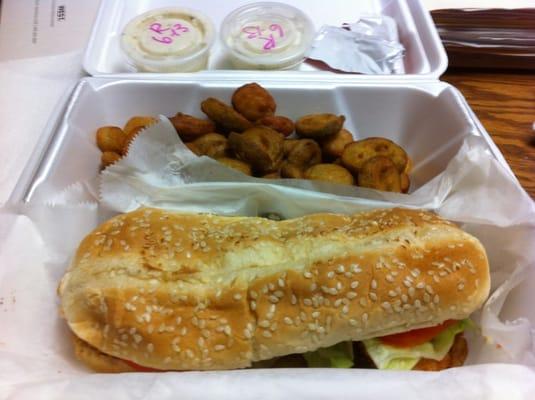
column 338, row 356
column 401, row 358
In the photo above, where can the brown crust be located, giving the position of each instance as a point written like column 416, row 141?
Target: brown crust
column 184, row 292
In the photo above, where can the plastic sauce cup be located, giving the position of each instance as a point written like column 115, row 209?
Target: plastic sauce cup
column 168, row 40
column 267, row 35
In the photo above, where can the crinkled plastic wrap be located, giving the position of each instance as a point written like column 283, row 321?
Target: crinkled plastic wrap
column 37, row 241
column 368, row 46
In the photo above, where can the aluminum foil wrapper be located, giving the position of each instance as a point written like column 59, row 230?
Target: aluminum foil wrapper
column 368, row 46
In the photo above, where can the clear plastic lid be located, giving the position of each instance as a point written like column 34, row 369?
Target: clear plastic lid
column 172, row 39
column 267, row 35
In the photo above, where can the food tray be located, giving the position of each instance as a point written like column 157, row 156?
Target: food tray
column 425, row 56
column 429, row 120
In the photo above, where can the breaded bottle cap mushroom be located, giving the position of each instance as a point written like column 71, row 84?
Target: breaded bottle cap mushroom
column 319, row 125
column 253, row 101
column 260, row 147
column 279, row 123
column 212, row 145
column 357, row 153
column 304, row 153
column 333, row 146
column 236, row 164
column 330, row 173
column 190, row 128
column 380, row 173
column 225, row 116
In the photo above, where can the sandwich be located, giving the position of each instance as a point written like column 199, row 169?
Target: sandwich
column 157, row 290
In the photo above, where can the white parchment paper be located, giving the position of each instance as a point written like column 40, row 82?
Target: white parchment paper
column 38, row 239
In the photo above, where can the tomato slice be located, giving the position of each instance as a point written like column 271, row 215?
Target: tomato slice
column 416, row 336
column 141, row 368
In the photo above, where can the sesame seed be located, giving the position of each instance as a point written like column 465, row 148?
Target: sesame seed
column 404, row 298
column 237, row 296
column 353, row 322
column 281, row 282
column 373, row 296
column 386, row 305
column 219, row 347
column 417, row 303
column 330, row 275
column 374, row 284
column 460, row 286
column 253, row 305
column 307, row 274
column 227, row 330
column 355, row 268
column 436, row 299
column 427, row 298
column 389, row 278
column 365, row 317
column 150, row 347
column 253, row 294
column 273, row 299
column 264, row 323
column 412, row 292
column 288, row 321
column 313, row 286
column 337, row 302
column 354, row 284
column 345, row 309
column 363, row 301
column 307, row 302
column 178, row 320
column 200, row 342
column 267, row 334
column 392, row 293
column 340, row 269
column 293, row 299
column 247, row 333
column 351, row 295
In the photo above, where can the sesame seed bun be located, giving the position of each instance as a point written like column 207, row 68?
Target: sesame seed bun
column 176, row 291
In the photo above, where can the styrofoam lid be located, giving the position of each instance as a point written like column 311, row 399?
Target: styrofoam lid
column 425, row 56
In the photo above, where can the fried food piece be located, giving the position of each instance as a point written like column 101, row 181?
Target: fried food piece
column 333, row 146
column 279, row 123
column 193, row 148
column 110, row 138
column 225, row 116
column 132, row 128
column 109, row 158
column 289, row 170
column 305, row 153
column 190, row 128
column 236, row 164
column 405, row 182
column 253, row 101
column 408, row 167
column 454, row 358
column 318, row 125
column 357, row 153
column 272, row 175
column 260, row 147
column 212, row 145
column 330, row 173
column 288, row 146
column 380, row 173
column 135, row 124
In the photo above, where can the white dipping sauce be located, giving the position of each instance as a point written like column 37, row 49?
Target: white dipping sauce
column 168, row 40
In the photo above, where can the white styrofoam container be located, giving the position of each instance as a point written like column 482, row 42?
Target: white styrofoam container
column 428, row 119
column 425, row 56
